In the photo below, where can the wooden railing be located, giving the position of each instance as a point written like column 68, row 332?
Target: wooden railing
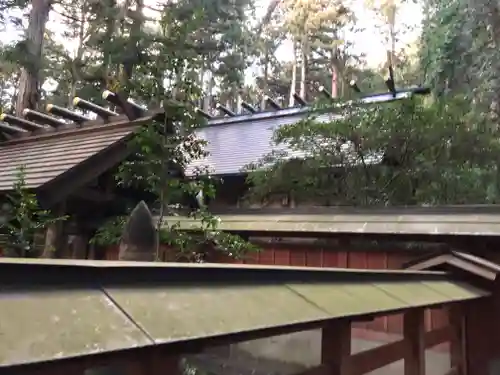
column 411, row 348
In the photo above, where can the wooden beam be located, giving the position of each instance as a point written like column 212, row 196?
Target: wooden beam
column 317, row 370
column 117, row 122
column 52, row 368
column 373, row 359
column 437, row 336
column 160, row 364
column 414, row 335
column 453, row 371
column 94, row 195
column 457, row 341
column 336, row 347
column 370, row 360
column 78, row 246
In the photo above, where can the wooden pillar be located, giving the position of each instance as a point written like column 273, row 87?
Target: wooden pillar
column 55, row 368
column 483, row 334
column 336, row 347
column 166, row 365
column 457, row 340
column 414, row 334
column 79, row 246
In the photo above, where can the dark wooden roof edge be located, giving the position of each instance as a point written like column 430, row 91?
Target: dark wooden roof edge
column 276, row 111
column 456, row 259
column 57, row 120
column 116, row 123
column 84, row 270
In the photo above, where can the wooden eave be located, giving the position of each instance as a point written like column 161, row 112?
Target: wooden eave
column 104, row 306
column 459, row 261
column 56, row 163
column 431, row 223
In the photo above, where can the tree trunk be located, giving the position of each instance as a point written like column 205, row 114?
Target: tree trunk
column 265, row 78
column 293, row 84
column 239, row 100
column 488, row 13
column 335, row 91
column 303, row 71
column 29, row 82
column 75, row 76
column 207, row 99
column 132, row 55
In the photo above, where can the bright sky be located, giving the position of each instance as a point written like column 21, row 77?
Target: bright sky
column 368, row 41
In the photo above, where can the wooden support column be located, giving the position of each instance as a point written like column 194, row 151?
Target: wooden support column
column 157, row 363
column 78, row 247
column 457, row 340
column 483, row 334
column 336, row 347
column 166, row 365
column 414, row 335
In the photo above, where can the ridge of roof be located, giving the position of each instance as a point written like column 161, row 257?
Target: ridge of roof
column 381, row 97
column 67, row 132
column 463, row 261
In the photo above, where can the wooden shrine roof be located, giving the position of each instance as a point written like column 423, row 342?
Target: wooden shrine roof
column 46, row 157
column 68, row 150
column 57, row 309
column 456, row 260
column 53, row 144
column 235, row 141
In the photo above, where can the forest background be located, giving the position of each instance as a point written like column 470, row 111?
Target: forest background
column 224, row 51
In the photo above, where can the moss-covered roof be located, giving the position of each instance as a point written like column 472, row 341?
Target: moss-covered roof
column 60, row 309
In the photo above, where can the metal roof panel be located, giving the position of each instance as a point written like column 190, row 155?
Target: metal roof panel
column 232, row 146
column 234, row 142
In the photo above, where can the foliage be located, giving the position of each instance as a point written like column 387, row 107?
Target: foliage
column 110, row 232
column 196, row 246
column 164, row 149
column 460, row 51
column 407, row 152
column 23, row 219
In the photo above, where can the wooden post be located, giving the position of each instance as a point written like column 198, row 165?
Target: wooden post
column 414, row 334
column 79, row 246
column 336, row 347
column 156, row 363
column 482, row 327
column 457, row 341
